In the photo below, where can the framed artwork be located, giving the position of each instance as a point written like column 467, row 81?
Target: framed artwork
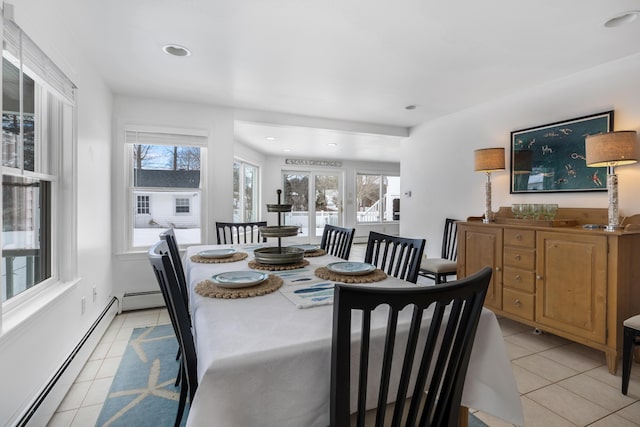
column 551, row 158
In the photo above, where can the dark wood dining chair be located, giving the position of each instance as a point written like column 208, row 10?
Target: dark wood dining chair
column 169, row 236
column 439, row 269
column 397, row 256
column 438, row 341
column 337, row 240
column 631, row 339
column 239, row 232
column 162, row 265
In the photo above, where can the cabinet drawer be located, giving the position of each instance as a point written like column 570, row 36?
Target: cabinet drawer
column 518, row 303
column 518, row 237
column 523, row 280
column 520, row 258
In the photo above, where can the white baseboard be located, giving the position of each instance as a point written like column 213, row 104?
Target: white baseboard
column 142, row 300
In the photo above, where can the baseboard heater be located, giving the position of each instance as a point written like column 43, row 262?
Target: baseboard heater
column 23, row 422
column 142, row 300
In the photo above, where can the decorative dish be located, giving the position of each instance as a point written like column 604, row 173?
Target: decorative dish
column 351, row 268
column 217, row 253
column 239, row 279
column 306, row 248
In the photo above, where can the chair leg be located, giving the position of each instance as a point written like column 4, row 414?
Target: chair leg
column 179, row 376
column 184, row 389
column 627, row 357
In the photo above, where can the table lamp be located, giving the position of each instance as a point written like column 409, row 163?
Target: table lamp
column 612, row 149
column 488, row 160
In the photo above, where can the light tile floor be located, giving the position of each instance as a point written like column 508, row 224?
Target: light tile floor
column 561, row 383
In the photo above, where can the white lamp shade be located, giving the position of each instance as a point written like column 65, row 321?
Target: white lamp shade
column 611, row 149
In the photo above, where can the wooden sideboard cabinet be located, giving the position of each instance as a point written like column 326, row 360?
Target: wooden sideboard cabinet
column 575, row 283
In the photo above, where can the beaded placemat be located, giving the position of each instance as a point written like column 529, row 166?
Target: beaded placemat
column 317, row 252
column 207, row 288
column 238, row 256
column 375, row 276
column 277, row 267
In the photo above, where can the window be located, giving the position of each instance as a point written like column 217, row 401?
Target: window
column 245, row 192
column 165, row 186
column 143, row 205
column 38, row 104
column 182, row 206
column 377, row 198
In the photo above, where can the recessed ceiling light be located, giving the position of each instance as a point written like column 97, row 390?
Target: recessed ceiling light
column 176, row 50
column 286, row 150
column 410, row 107
column 332, row 144
column 270, row 138
column 622, row 19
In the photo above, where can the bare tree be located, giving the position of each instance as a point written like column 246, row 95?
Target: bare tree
column 140, row 153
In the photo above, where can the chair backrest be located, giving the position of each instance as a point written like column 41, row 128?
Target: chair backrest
column 167, row 280
column 450, row 240
column 439, row 342
column 169, row 236
column 337, row 240
column 239, row 232
column 397, row 256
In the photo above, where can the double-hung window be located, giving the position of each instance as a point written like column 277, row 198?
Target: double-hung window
column 377, row 198
column 38, row 103
column 165, row 185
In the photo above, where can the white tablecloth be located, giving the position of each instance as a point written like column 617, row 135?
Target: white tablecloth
column 264, row 362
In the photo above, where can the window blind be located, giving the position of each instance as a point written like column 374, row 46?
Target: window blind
column 20, row 47
column 162, row 138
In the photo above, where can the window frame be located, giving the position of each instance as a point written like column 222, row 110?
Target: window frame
column 195, row 138
column 241, row 216
column 187, row 205
column 143, row 204
column 55, row 162
column 381, row 176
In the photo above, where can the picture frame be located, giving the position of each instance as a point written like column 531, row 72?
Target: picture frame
column 551, row 158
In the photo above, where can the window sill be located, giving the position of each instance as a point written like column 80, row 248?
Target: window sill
column 29, row 309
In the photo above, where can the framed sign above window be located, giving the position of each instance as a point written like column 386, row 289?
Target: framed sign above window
column 551, row 158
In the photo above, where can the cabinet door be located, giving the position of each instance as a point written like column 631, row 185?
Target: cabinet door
column 571, row 283
column 479, row 247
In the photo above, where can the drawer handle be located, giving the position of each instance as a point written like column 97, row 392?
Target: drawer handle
column 518, row 278
column 517, row 303
column 498, row 268
column 539, row 277
column 518, row 257
column 518, row 236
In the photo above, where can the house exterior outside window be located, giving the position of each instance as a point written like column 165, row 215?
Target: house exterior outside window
column 165, row 186
column 377, row 198
column 246, row 191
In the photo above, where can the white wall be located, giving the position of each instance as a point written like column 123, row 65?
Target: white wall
column 33, row 349
column 132, row 272
column 437, row 159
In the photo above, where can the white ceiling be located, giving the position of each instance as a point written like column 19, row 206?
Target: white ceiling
column 353, row 60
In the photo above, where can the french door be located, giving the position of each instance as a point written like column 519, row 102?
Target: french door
column 316, row 198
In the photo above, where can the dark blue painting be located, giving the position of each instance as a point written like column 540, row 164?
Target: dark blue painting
column 551, row 158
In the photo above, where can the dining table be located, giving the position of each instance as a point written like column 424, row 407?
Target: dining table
column 265, row 360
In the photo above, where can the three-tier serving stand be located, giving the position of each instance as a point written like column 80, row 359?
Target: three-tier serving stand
column 279, row 255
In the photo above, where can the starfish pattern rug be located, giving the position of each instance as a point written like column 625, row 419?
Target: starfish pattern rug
column 143, row 391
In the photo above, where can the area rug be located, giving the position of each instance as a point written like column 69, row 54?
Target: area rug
column 143, row 391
